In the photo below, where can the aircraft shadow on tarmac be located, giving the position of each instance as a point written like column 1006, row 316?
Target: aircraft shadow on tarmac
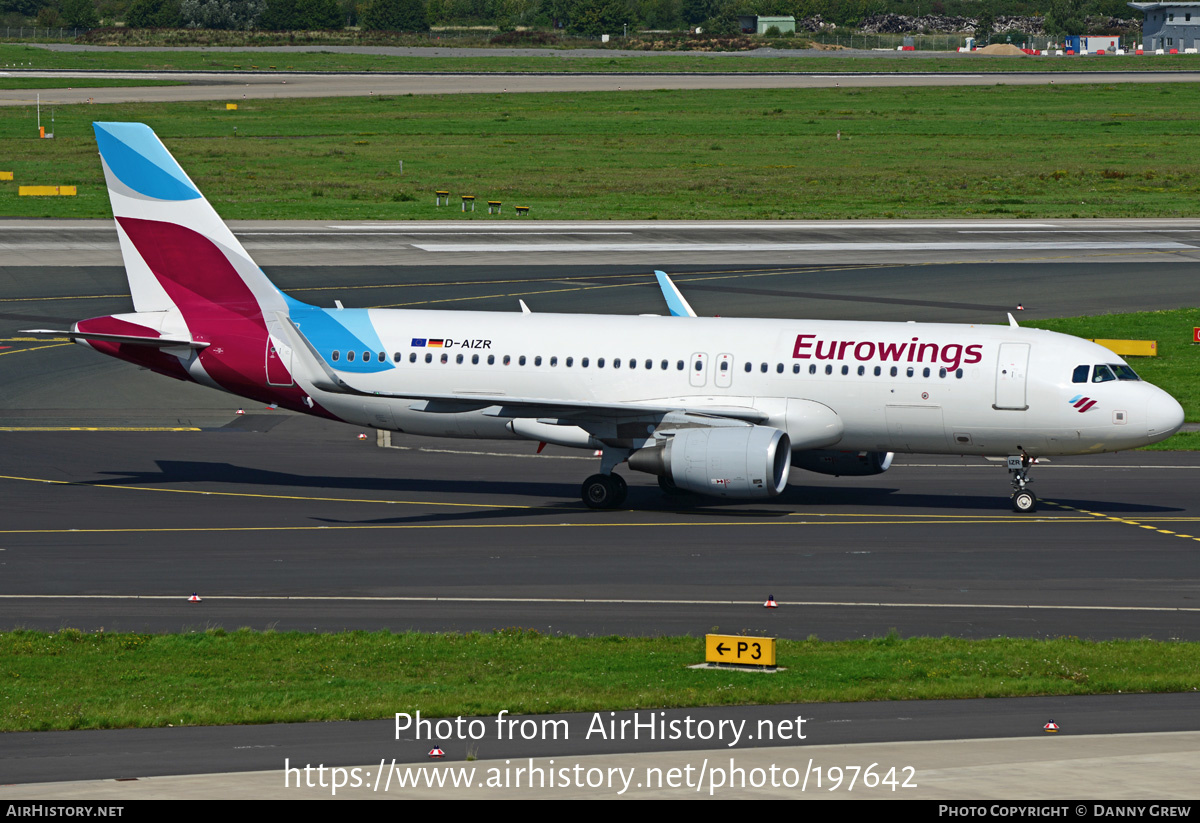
column 564, row 496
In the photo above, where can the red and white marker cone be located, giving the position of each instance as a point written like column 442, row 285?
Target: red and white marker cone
column 1020, row 307
column 1051, row 727
column 436, row 751
column 241, row 411
column 195, row 598
column 770, row 604
column 362, row 436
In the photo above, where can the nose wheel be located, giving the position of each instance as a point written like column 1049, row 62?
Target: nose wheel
column 1024, row 501
column 604, row 491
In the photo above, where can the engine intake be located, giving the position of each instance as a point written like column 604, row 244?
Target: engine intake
column 725, row 461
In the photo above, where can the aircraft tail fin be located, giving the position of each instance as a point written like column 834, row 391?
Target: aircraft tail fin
column 178, row 253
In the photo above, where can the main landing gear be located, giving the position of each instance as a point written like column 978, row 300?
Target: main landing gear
column 606, row 490
column 1023, row 500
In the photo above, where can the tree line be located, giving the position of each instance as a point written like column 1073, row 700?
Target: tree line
column 583, row 17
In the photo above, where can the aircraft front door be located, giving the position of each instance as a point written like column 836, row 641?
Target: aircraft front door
column 1011, row 371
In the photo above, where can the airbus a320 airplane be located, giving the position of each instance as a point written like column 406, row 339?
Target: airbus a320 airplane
column 714, row 406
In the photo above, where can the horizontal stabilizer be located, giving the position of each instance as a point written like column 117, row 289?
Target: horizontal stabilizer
column 131, row 339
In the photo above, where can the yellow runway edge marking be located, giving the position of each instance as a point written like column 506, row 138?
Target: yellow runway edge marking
column 260, row 496
column 34, row 348
column 1140, row 522
column 99, row 429
column 634, row 524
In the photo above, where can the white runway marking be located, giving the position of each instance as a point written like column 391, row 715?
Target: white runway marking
column 624, row 601
column 796, row 247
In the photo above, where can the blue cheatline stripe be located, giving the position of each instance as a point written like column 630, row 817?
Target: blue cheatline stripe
column 141, row 162
column 342, row 330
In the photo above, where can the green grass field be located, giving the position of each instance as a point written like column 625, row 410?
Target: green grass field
column 563, row 60
column 1013, row 151
column 79, row 83
column 73, row 680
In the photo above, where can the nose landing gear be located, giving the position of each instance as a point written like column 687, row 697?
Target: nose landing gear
column 1024, row 501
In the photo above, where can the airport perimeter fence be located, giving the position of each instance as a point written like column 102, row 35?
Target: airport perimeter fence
column 920, row 42
column 41, row 34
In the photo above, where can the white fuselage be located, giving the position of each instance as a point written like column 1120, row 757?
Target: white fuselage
column 903, row 387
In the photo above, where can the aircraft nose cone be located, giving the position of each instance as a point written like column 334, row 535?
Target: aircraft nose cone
column 1164, row 415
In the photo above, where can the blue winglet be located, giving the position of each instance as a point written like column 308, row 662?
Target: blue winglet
column 675, row 302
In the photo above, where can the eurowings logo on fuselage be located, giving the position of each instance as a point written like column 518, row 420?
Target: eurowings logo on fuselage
column 951, row 354
column 1081, row 403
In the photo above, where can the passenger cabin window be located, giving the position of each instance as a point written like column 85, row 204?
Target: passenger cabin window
column 1102, row 374
column 1080, row 375
column 335, row 356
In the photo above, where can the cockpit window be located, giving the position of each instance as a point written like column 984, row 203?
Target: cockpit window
column 1124, row 372
column 1102, row 374
column 1081, row 374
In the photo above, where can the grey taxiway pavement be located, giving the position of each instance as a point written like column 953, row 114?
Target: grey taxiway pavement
column 232, row 86
column 288, row 522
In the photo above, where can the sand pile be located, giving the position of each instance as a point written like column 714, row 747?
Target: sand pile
column 1000, row 48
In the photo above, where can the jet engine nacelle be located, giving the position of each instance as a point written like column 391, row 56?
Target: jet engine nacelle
column 724, row 461
column 843, row 463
